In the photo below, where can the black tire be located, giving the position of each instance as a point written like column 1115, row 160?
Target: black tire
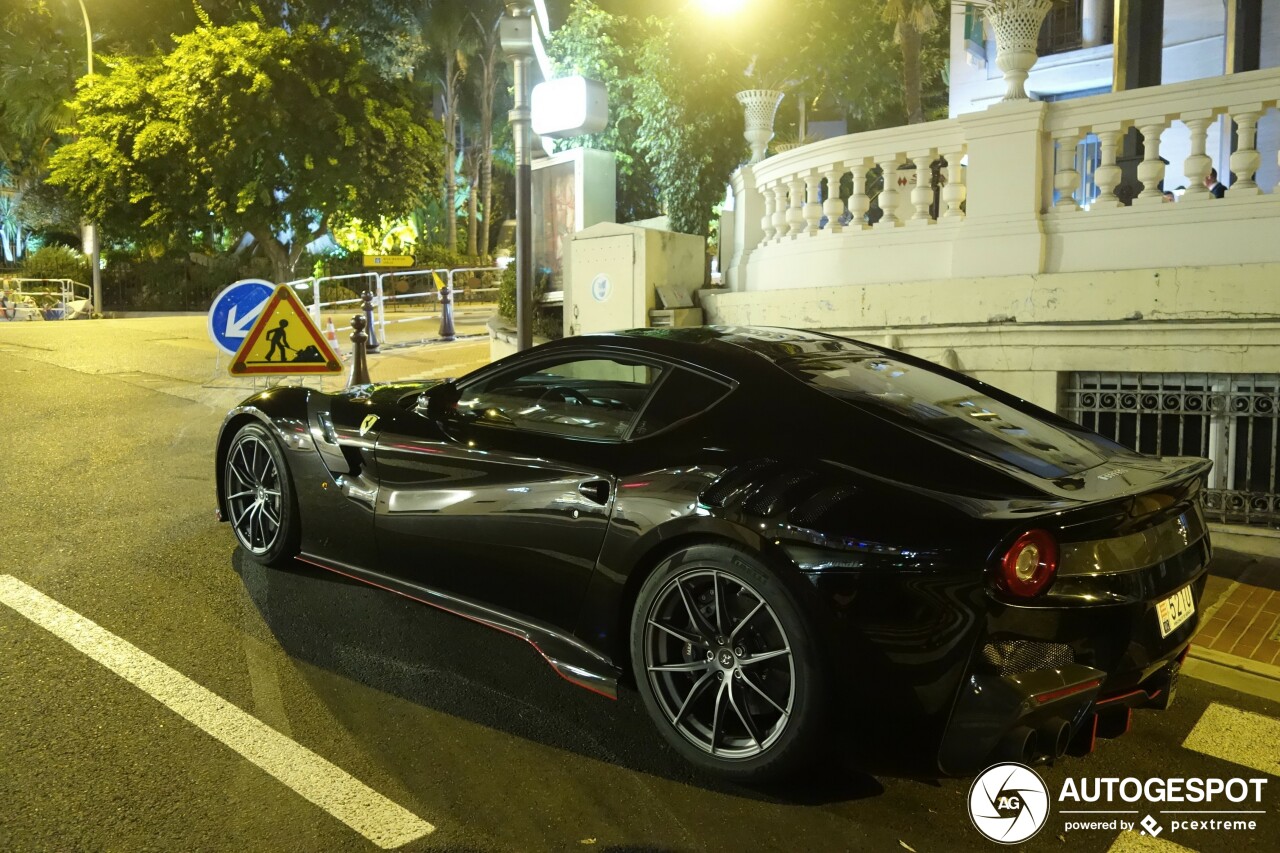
column 260, row 502
column 691, row 661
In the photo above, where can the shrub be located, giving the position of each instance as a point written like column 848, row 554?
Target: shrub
column 56, row 262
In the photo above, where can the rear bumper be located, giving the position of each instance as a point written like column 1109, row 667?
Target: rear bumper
column 1084, row 666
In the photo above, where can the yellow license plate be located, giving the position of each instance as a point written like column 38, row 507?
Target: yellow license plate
column 1175, row 610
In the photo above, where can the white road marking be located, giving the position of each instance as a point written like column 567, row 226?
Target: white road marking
column 1240, row 737
column 1131, row 841
column 349, row 800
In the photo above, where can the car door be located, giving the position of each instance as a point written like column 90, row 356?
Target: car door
column 507, row 499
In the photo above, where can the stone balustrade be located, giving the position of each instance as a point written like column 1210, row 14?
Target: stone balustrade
column 997, row 193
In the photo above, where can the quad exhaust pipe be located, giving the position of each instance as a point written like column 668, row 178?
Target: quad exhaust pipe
column 1045, row 742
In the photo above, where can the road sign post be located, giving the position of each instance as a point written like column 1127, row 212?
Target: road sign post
column 284, row 340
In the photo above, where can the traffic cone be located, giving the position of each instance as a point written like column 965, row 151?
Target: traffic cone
column 331, row 335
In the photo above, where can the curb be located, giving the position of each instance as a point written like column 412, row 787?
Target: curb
column 1234, row 672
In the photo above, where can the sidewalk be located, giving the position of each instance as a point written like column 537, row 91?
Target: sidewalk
column 1238, row 644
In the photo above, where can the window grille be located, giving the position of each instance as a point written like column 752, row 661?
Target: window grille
column 1231, row 419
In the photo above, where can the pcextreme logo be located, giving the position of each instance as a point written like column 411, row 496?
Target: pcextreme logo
column 1009, row 803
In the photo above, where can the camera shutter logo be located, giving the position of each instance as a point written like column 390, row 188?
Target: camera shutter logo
column 1009, row 803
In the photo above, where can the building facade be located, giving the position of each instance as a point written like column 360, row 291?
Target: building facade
column 1031, row 244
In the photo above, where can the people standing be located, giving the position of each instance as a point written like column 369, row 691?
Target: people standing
column 1211, row 183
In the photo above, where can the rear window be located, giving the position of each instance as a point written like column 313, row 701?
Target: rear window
column 950, row 410
column 681, row 395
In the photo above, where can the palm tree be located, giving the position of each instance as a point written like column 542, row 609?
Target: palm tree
column 490, row 66
column 911, row 20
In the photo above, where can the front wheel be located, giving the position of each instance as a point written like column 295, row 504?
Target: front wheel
column 726, row 664
column 260, row 500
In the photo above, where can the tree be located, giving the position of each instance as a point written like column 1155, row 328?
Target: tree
column 489, row 75
column 605, row 47
column 912, row 19
column 690, row 130
column 247, row 128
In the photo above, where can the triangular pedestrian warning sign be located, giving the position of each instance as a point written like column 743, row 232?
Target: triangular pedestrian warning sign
column 284, row 340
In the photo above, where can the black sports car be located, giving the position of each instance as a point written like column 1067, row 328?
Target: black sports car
column 777, row 534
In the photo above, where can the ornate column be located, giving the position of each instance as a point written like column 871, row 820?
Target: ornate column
column 795, row 212
column 859, row 201
column 1246, row 159
column 812, row 209
column 766, row 221
column 833, row 207
column 759, row 106
column 922, row 192
column 953, row 191
column 889, row 195
column 1017, row 28
column 779, row 211
column 1151, row 169
column 1065, row 177
column 1197, row 164
column 1107, row 175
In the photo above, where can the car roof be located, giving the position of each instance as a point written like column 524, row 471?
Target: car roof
column 729, row 349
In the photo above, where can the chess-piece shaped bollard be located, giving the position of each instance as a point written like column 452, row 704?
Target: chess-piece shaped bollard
column 446, row 313
column 359, row 364
column 366, row 305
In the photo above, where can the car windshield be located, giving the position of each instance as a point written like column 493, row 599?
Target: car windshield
column 957, row 413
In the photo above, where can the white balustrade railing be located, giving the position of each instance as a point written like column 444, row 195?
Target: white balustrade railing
column 993, row 192
column 1241, row 98
column 801, row 194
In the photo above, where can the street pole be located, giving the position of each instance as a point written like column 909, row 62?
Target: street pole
column 517, row 42
column 95, row 245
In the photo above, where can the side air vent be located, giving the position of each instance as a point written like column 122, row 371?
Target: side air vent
column 769, row 498
column 1014, row 657
column 812, row 511
column 732, row 481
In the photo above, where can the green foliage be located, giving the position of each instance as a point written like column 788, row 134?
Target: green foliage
column 56, row 262
column 605, row 47
column 247, row 128
column 691, row 126
column 548, row 320
column 436, row 256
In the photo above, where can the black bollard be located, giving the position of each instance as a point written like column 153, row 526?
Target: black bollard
column 446, row 313
column 367, row 307
column 359, row 364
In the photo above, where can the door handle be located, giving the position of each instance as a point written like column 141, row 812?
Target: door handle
column 596, row 491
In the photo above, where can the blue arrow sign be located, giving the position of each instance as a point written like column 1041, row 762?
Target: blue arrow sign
column 235, row 310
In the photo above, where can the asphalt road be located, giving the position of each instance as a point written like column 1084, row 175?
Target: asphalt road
column 106, row 507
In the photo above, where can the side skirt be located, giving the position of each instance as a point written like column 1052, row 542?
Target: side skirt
column 571, row 660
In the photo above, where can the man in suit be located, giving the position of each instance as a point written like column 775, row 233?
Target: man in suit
column 1211, row 181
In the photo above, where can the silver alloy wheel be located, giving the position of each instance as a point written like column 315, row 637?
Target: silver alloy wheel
column 253, row 493
column 719, row 663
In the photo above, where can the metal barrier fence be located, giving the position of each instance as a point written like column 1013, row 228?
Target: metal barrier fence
column 380, row 283
column 1231, row 418
column 58, row 299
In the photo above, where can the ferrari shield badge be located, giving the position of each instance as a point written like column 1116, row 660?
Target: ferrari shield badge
column 369, row 422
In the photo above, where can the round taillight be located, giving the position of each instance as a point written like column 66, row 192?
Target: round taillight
column 1030, row 564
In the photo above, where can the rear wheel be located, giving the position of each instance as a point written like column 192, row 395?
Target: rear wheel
column 260, row 500
column 726, row 665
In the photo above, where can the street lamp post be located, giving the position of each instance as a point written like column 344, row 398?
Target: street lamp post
column 95, row 248
column 516, row 31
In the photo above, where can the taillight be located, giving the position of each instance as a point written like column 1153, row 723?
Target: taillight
column 1029, row 565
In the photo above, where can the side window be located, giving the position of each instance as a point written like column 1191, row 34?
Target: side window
column 682, row 395
column 577, row 398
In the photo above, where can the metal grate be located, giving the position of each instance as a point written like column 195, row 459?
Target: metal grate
column 1233, row 419
column 1013, row 657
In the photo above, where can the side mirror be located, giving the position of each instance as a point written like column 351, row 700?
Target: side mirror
column 442, row 400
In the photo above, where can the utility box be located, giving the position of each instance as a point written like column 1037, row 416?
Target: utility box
column 615, row 271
